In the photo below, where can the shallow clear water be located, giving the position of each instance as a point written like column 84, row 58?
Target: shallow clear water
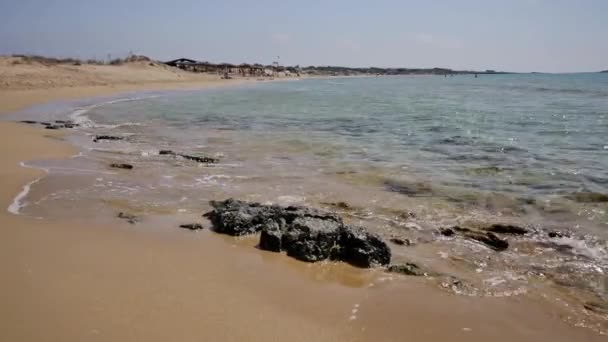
column 407, row 154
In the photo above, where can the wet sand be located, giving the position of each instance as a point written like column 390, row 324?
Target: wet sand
column 84, row 281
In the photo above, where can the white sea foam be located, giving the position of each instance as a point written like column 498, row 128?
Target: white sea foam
column 17, row 204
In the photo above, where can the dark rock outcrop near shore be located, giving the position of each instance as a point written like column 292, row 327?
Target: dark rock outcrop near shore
column 303, row 233
column 122, row 166
column 192, row 226
column 198, row 159
column 98, row 138
column 57, row 124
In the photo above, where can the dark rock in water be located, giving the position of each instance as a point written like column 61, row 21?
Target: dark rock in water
column 447, row 232
column 53, row 127
column 270, row 239
column 489, row 239
column 400, row 242
column 200, row 159
column 45, row 123
column 506, row 229
column 192, row 226
column 29, row 122
column 589, row 197
column 408, row 268
column 599, row 308
column 70, row 125
column 121, row 166
column 362, row 248
column 132, row 219
column 557, row 234
column 340, row 205
column 406, row 188
column 62, row 122
column 304, row 233
column 485, row 237
column 106, row 137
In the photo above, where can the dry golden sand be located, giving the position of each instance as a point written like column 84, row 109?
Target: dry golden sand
column 79, row 281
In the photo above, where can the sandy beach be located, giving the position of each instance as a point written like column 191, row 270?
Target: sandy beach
column 84, row 281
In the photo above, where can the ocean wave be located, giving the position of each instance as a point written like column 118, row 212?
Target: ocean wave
column 79, row 116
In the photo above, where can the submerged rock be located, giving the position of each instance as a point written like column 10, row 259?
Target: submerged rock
column 122, row 166
column 447, row 232
column 401, row 242
column 192, row 226
column 304, row 233
column 132, row 219
column 557, row 234
column 408, row 268
column 487, row 238
column 52, row 127
column 490, row 240
column 200, row 159
column 506, row 229
column 589, row 197
column 599, row 308
column 29, row 122
column 339, row 205
column 97, row 138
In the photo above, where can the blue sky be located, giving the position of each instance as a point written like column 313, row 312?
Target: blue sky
column 514, row 35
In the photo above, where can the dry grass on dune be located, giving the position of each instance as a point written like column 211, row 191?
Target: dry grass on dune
column 36, row 72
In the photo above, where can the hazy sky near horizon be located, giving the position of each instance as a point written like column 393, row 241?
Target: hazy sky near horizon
column 513, row 35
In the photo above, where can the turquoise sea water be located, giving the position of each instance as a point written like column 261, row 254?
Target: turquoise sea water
column 408, row 155
column 520, row 134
